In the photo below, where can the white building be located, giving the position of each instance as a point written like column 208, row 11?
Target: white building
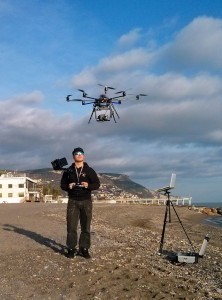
column 17, row 189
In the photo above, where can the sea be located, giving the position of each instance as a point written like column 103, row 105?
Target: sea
column 215, row 221
column 208, row 204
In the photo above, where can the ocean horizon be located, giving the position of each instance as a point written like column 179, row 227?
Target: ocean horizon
column 208, row 204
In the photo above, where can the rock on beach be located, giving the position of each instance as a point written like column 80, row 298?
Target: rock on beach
column 210, row 211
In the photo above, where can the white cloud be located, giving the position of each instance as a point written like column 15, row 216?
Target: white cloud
column 216, row 136
column 130, row 38
column 135, row 58
column 26, row 128
column 112, row 66
column 177, row 87
column 198, row 45
column 84, row 78
column 34, row 97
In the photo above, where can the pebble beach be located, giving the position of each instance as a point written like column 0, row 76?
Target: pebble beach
column 125, row 263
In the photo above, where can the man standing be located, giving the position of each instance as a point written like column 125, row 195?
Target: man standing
column 79, row 180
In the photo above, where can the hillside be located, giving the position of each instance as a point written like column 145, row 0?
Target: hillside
column 111, row 184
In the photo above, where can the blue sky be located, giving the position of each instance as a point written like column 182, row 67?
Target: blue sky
column 169, row 50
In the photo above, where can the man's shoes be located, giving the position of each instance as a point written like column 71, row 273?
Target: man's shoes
column 85, row 253
column 72, row 253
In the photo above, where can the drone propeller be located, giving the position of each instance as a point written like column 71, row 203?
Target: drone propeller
column 124, row 91
column 120, row 92
column 83, row 92
column 67, row 97
column 138, row 95
column 106, row 87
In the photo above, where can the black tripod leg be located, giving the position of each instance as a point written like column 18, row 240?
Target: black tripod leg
column 169, row 211
column 168, row 203
column 182, row 226
column 164, row 226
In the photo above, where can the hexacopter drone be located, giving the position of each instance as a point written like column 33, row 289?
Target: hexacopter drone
column 103, row 106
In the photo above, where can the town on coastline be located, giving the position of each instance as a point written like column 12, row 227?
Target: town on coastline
column 19, row 188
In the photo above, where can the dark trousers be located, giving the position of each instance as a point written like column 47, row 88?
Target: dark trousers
column 78, row 211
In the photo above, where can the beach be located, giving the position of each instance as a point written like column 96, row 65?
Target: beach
column 125, row 262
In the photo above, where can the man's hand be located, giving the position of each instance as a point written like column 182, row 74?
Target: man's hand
column 85, row 184
column 72, row 185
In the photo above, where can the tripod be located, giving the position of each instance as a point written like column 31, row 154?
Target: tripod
column 168, row 214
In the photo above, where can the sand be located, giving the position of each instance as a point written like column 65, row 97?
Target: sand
column 125, row 261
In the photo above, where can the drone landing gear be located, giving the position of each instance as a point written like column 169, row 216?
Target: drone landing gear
column 114, row 111
column 93, row 111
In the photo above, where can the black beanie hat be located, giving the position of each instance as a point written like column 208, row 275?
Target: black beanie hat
column 78, row 149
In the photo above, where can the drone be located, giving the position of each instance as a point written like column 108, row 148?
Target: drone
column 103, row 106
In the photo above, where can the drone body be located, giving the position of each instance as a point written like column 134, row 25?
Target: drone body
column 103, row 106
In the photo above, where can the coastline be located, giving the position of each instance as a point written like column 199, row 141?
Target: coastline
column 212, row 211
column 208, row 204
column 215, row 221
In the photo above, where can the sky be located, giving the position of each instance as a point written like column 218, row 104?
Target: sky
column 170, row 50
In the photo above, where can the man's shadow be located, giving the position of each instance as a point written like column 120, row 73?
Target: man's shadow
column 57, row 247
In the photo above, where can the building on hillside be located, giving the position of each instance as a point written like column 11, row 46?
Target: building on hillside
column 18, row 189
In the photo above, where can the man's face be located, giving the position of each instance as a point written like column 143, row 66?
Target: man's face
column 78, row 156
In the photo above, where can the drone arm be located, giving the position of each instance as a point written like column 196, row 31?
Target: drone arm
column 89, row 97
column 85, row 103
column 68, row 100
column 117, row 97
column 80, row 100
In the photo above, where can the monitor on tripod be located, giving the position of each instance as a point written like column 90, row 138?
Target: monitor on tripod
column 169, row 187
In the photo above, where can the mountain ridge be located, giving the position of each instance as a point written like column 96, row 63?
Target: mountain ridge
column 111, row 183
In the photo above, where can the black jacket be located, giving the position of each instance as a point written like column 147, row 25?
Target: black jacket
column 87, row 175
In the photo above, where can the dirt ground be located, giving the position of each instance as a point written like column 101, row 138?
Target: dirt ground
column 125, row 262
